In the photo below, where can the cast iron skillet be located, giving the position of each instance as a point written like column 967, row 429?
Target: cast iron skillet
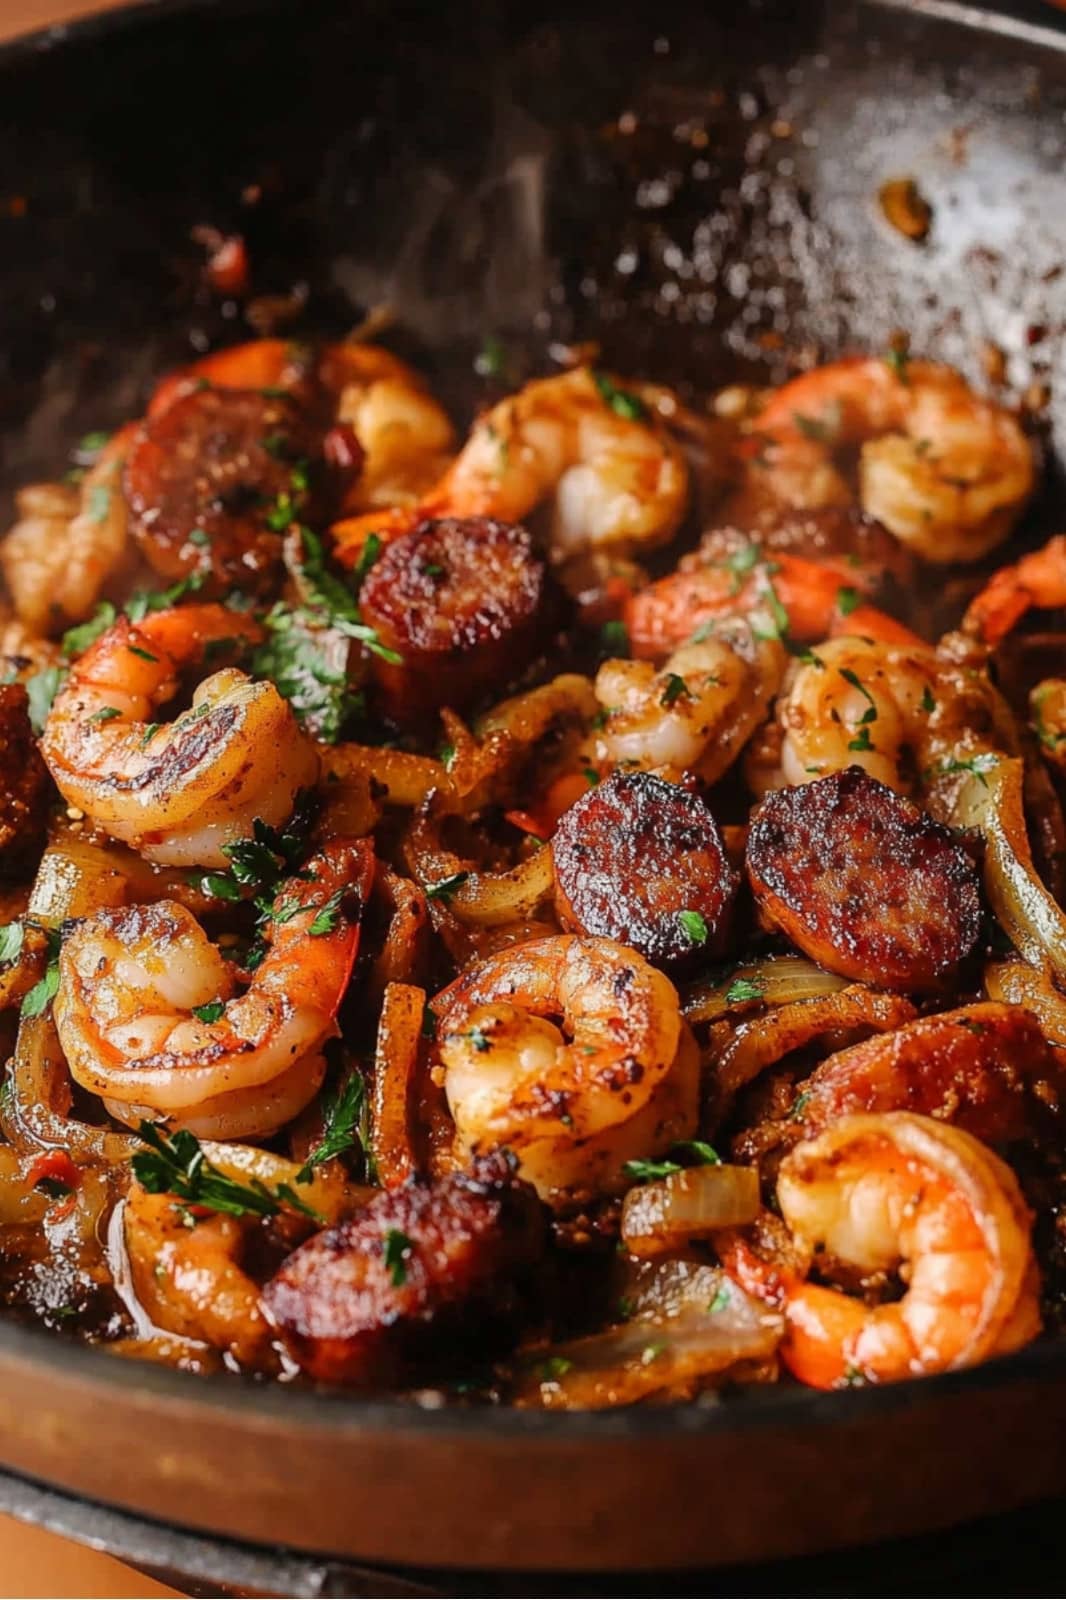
column 459, row 161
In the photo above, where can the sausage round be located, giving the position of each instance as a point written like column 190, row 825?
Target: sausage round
column 642, row 861
column 426, row 1278
column 213, row 480
column 864, row 882
column 460, row 600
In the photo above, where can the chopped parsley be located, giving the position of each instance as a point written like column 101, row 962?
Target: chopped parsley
column 105, row 714
column 40, row 997
column 694, row 926
column 847, row 600
column 342, row 1113
column 444, row 888
column 77, row 639
column 799, row 1105
column 824, row 429
column 652, row 1352
column 897, row 360
column 308, row 665
column 145, row 655
column 372, row 548
column 741, row 562
column 491, row 359
column 861, row 741
column 721, row 1301
column 870, row 714
column 41, row 690
column 978, row 765
column 12, row 937
column 325, row 920
column 553, row 1368
column 99, row 502
column 396, row 1248
column 328, row 600
column 210, row 1012
column 675, row 688
column 614, row 639
column 89, row 446
column 175, row 1164
column 928, row 703
column 742, row 989
column 621, row 401
column 703, row 1154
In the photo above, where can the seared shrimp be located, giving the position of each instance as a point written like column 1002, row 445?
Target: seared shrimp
column 697, row 712
column 406, row 436
column 613, row 1079
column 134, row 981
column 1047, row 707
column 67, row 543
column 1038, row 580
column 176, row 791
column 899, row 1193
column 857, row 702
column 614, row 481
column 945, row 470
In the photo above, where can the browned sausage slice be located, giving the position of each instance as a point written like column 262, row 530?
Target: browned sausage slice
column 864, row 882
column 642, row 861
column 215, row 479
column 460, row 600
column 423, row 1280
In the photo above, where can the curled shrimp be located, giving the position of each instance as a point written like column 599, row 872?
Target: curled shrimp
column 697, row 712
column 67, row 543
column 1038, row 581
column 614, row 1078
column 615, row 480
column 902, row 1194
column 816, row 597
column 944, row 469
column 176, row 791
column 860, row 702
column 133, row 981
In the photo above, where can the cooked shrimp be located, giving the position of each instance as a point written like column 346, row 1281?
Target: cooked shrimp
column 944, row 469
column 1038, row 580
column 613, row 1079
column 133, row 981
column 614, row 481
column 697, row 712
column 863, row 703
column 176, row 791
column 817, row 598
column 899, row 1193
column 67, row 543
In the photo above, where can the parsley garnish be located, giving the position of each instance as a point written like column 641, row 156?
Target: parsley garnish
column 621, row 401
column 720, row 1301
column 105, row 714
column 694, row 926
column 325, row 920
column 444, row 888
column 40, row 997
column 175, row 1164
column 978, row 765
column 308, row 666
column 824, row 429
column 12, row 935
column 330, row 602
column 847, row 600
column 799, row 1105
column 897, row 360
column 553, row 1368
column 744, row 989
column 614, row 639
column 75, row 640
column 145, row 655
column 342, row 1111
column 675, row 688
column 209, row 1012
column 705, row 1155
column 927, row 701
column 89, row 446
column 491, row 360
column 396, row 1247
column 372, row 547
column 99, row 502
column 41, row 690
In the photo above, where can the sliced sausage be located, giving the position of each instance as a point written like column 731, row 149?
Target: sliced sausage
column 864, row 882
column 460, row 599
column 24, row 787
column 214, row 480
column 642, row 861
column 985, row 1068
column 426, row 1278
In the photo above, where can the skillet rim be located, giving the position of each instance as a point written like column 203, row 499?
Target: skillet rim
column 334, row 1409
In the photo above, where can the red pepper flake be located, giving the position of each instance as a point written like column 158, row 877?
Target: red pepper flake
column 55, row 1166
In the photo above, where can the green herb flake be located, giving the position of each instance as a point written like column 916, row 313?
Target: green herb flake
column 847, row 600
column 800, row 1104
column 175, row 1164
column 652, row 1352
column 861, row 742
column 40, row 997
column 372, row 548
column 928, row 703
column 325, row 920
column 79, row 638
column 694, row 926
column 397, row 1248
column 342, row 1113
column 742, row 989
column 675, row 688
column 614, row 639
column 209, row 1012
column 12, row 937
column 553, row 1368
column 721, row 1301
column 145, row 655
column 444, row 888
column 621, row 401
column 105, row 714
column 897, row 360
column 99, row 502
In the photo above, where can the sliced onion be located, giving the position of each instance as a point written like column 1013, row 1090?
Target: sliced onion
column 660, row 1216
column 395, row 1065
column 991, row 800
column 709, row 1329
column 773, row 983
column 1018, row 984
column 395, row 776
column 489, row 899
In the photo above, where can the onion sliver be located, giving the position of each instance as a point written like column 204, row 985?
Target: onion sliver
column 773, row 983
column 991, row 801
column 659, row 1216
column 1016, row 983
